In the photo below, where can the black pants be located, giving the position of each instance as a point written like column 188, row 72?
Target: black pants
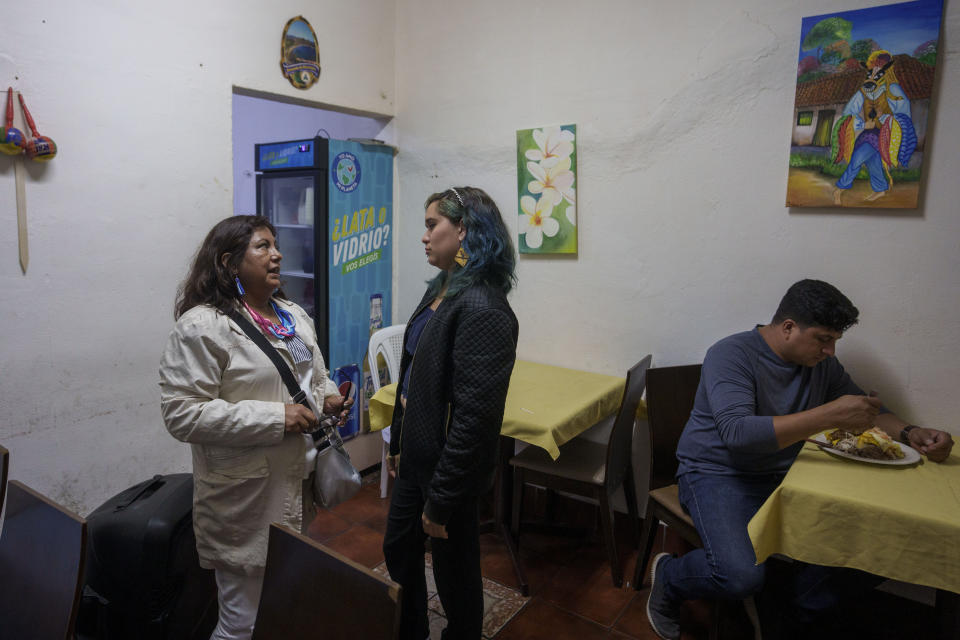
column 456, row 565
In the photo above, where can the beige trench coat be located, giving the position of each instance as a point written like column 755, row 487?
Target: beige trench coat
column 223, row 395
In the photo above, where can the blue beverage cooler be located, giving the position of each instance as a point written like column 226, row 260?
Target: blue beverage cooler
column 331, row 202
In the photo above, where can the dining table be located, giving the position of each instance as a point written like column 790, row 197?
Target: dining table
column 897, row 521
column 546, row 406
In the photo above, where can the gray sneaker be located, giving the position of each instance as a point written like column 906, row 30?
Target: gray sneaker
column 664, row 616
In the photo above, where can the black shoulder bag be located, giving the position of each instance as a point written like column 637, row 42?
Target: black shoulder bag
column 335, row 479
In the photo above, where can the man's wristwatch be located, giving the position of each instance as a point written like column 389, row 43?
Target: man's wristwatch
column 905, row 433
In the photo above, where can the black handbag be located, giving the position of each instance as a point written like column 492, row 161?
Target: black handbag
column 335, row 479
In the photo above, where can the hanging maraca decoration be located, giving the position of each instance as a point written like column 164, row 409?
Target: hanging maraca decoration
column 11, row 139
column 39, row 148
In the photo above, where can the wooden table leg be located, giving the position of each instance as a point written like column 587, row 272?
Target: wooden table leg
column 515, row 558
column 502, row 502
column 503, row 498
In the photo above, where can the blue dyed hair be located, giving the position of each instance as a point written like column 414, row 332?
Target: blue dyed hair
column 487, row 242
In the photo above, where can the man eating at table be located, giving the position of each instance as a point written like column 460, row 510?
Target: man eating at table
column 761, row 394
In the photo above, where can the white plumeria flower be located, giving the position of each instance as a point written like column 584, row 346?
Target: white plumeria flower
column 553, row 183
column 554, row 144
column 536, row 221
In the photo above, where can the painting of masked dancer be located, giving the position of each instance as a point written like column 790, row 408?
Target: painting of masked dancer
column 864, row 89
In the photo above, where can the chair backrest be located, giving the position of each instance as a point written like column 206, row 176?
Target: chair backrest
column 387, row 342
column 670, row 395
column 4, row 465
column 621, row 435
column 312, row 591
column 42, row 552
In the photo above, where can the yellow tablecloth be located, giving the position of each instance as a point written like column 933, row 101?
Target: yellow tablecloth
column 897, row 522
column 546, row 405
column 381, row 407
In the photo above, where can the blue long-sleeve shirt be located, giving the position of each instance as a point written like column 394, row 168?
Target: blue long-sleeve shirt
column 744, row 384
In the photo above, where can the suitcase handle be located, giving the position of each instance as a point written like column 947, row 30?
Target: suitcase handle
column 155, row 483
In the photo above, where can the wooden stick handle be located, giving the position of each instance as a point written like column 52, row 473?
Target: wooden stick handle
column 19, row 172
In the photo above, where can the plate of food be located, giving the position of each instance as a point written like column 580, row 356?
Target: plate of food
column 873, row 446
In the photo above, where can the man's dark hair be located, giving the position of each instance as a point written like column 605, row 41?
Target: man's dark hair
column 815, row 303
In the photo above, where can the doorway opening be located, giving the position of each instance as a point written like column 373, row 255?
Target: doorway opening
column 260, row 117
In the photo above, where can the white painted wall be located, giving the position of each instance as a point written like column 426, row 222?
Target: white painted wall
column 138, row 98
column 683, row 113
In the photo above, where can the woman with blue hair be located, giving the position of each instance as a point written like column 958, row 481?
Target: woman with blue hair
column 459, row 349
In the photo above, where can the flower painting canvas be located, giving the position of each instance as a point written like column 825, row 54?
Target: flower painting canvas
column 864, row 89
column 546, row 186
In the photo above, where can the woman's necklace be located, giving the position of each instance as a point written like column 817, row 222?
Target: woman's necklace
column 287, row 327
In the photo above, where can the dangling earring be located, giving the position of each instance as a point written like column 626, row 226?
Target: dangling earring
column 239, row 286
column 461, row 258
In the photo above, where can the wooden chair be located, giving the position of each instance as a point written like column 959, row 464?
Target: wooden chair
column 310, row 591
column 4, row 465
column 42, row 552
column 590, row 469
column 670, row 395
column 671, row 392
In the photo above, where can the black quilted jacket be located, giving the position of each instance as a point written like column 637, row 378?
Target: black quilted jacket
column 447, row 436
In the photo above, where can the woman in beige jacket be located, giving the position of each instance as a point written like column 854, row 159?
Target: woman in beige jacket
column 224, row 396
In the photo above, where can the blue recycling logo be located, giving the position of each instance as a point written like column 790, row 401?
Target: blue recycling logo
column 345, row 171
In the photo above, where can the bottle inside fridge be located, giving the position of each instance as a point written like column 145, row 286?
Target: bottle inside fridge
column 376, row 322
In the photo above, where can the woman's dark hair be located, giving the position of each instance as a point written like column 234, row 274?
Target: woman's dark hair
column 815, row 303
column 209, row 281
column 487, row 242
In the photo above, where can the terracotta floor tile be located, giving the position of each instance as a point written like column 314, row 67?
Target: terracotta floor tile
column 495, row 564
column 547, row 543
column 583, row 586
column 495, row 561
column 540, row 620
column 633, row 619
column 361, row 544
column 569, row 578
column 326, row 525
column 378, row 524
column 365, row 507
column 540, row 571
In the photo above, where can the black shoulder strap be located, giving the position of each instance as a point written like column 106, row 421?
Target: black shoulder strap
column 261, row 341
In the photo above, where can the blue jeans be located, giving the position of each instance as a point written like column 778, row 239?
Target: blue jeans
column 725, row 568
column 721, row 507
column 865, row 155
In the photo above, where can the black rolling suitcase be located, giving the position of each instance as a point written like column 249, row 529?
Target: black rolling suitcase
column 142, row 578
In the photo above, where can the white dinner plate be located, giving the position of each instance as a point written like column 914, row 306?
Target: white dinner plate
column 910, row 455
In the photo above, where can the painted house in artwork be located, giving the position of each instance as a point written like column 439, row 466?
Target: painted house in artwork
column 820, row 102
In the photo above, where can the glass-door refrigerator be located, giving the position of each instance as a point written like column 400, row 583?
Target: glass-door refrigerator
column 292, row 194
column 331, row 202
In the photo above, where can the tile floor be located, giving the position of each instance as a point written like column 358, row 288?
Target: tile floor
column 570, row 588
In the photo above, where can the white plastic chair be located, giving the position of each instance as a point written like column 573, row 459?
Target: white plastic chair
column 386, row 342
